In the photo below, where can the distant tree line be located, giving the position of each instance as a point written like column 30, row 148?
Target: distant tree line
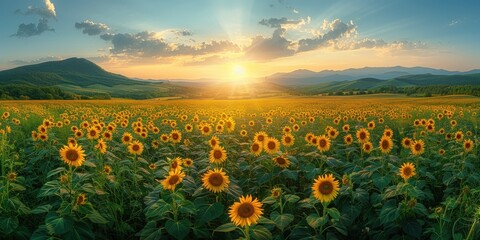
column 426, row 91
column 26, row 92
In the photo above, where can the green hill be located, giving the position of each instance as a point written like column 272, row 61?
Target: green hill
column 80, row 76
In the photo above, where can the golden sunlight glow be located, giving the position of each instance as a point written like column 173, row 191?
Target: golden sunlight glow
column 238, row 71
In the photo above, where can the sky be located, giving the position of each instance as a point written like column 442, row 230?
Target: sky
column 201, row 39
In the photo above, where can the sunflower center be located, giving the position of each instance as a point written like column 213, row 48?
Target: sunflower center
column 126, row 139
column 261, row 138
column 407, row 171
column 213, row 142
column 281, row 160
column 385, row 144
column 215, row 179
column 322, row 143
column 217, row 154
column 325, row 187
column 135, row 147
column 271, row 145
column 93, row 133
column 173, row 180
column 288, row 139
column 245, row 210
column 418, row 147
column 174, row 165
column 72, row 155
column 467, row 145
column 175, row 136
column 407, row 142
column 367, row 147
column 255, row 147
column 363, row 135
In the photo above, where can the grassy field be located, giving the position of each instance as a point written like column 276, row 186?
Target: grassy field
column 357, row 167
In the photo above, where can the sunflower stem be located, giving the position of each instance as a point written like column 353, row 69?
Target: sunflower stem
column 325, row 208
column 472, row 230
column 247, row 232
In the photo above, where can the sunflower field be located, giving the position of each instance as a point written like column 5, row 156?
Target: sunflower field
column 300, row 168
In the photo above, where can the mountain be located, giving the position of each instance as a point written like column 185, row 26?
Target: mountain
column 80, row 76
column 419, row 80
column 306, row 77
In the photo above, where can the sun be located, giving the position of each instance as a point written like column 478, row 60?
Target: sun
column 238, row 71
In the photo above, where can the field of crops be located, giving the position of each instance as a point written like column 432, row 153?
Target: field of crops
column 317, row 168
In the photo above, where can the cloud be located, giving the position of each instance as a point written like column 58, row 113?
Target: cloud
column 273, row 47
column 147, row 44
column 32, row 29
column 182, row 33
column 92, row 28
column 336, row 29
column 453, row 23
column 284, row 22
column 47, row 11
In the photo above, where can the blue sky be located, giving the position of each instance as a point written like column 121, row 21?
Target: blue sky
column 196, row 39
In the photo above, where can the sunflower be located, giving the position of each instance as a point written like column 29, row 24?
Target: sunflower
column 407, row 170
column 332, row 133
column 406, row 142
column 388, row 132
column 101, row 146
column 93, row 133
column 215, row 180
column 172, row 180
column 107, row 135
column 367, row 147
column 441, row 151
column 468, row 145
column 73, row 155
column 214, row 141
column 72, row 140
column 152, row 166
column 135, row 147
column 459, row 136
column 217, row 154
column 81, row 199
column 371, row 125
column 164, row 138
column 308, row 137
column 386, row 144
column 245, row 212
column 325, row 188
column 363, row 135
column 189, row 128
column 348, row 139
column 288, row 140
column 206, row 129
column 187, row 162
column 281, row 161
column 175, row 136
column 43, row 137
column 107, row 169
column 176, row 164
column 346, row 128
column 418, row 147
column 260, row 136
column 271, row 145
column 78, row 134
column 256, row 148
column 11, row 176
column 127, row 138
column 243, row 133
column 323, row 143
column 155, row 144
column 276, row 192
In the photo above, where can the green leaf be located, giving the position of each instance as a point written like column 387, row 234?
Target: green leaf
column 96, row 217
column 291, row 198
column 8, row 224
column 150, row 232
column 269, row 200
column 315, row 221
column 157, row 210
column 56, row 171
column 334, row 213
column 261, row 233
column 41, row 209
column 381, row 182
column 227, row 227
column 59, row 225
column 179, row 229
column 49, row 189
column 265, row 221
column 211, row 212
column 389, row 212
column 80, row 231
column 281, row 220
